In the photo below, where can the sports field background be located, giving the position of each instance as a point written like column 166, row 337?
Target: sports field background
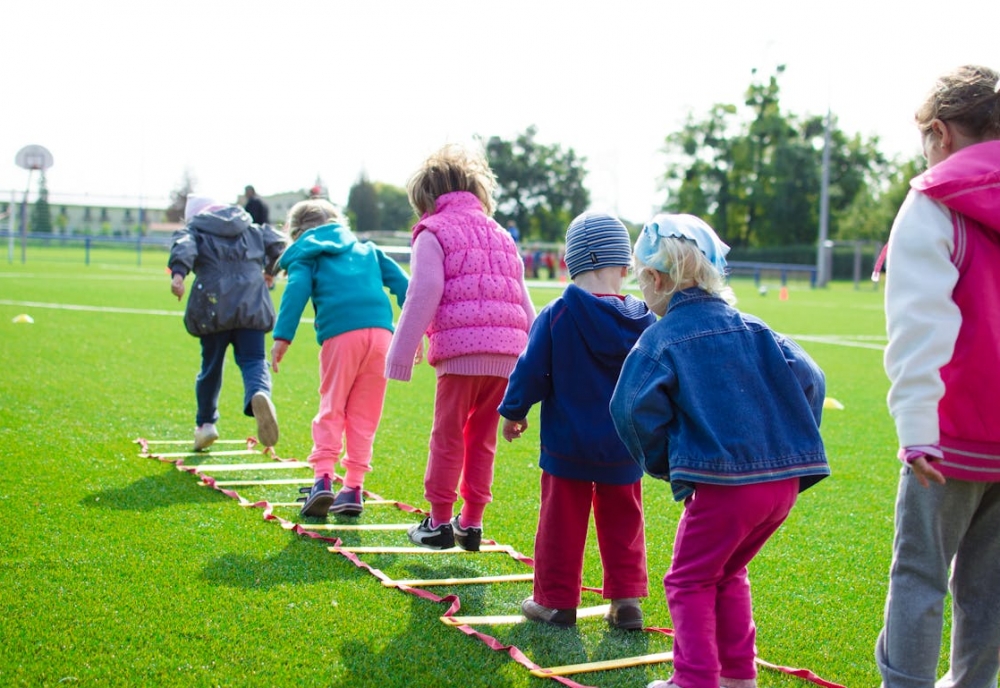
column 121, row 570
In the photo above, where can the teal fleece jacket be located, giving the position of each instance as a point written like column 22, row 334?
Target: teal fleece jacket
column 346, row 280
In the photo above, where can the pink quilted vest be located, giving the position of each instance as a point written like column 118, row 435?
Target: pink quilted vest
column 480, row 310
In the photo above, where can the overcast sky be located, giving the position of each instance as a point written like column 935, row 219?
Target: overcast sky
column 127, row 95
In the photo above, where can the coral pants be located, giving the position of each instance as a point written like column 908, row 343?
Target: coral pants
column 351, row 393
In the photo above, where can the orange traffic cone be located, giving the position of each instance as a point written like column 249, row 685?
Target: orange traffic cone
column 783, row 294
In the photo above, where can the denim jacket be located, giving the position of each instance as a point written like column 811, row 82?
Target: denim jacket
column 712, row 395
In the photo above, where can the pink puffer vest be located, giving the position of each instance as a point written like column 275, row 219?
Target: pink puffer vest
column 480, row 310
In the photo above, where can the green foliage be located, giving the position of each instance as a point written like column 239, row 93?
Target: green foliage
column 119, row 570
column 540, row 186
column 394, row 210
column 41, row 213
column 363, row 206
column 757, row 180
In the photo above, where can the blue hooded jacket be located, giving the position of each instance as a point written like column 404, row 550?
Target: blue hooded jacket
column 575, row 351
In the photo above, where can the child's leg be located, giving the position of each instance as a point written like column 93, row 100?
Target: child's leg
column 452, row 399
column 621, row 537
column 209, row 382
column 338, row 363
column 975, row 635
column 248, row 350
column 560, row 541
column 721, row 527
column 480, row 434
column 364, row 403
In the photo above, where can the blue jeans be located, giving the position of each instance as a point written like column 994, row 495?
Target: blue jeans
column 248, row 348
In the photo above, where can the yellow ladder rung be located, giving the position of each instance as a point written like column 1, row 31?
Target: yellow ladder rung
column 416, row 583
column 622, row 663
column 354, row 526
column 581, row 613
column 277, row 481
column 418, row 550
column 270, row 466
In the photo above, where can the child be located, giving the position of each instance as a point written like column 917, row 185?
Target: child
column 229, row 306
column 942, row 305
column 575, row 352
column 728, row 411
column 467, row 293
column 346, row 280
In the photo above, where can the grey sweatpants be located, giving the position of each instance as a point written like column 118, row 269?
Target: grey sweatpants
column 959, row 520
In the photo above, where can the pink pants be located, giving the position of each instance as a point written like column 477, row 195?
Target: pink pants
column 563, row 521
column 708, row 590
column 463, row 445
column 351, row 392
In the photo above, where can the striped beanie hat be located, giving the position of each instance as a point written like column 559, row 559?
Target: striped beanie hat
column 596, row 240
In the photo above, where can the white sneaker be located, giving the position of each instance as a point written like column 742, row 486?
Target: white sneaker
column 267, row 419
column 204, row 435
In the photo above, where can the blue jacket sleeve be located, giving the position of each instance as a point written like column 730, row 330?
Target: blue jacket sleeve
column 531, row 380
column 641, row 411
column 393, row 277
column 294, row 300
column 809, row 375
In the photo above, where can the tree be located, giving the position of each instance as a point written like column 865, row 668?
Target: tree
column 362, row 205
column 870, row 216
column 758, row 181
column 540, row 186
column 41, row 214
column 394, row 211
column 178, row 197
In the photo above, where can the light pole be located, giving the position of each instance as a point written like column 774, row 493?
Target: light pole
column 822, row 267
column 31, row 158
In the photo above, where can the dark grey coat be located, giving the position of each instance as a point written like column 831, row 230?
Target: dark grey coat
column 228, row 255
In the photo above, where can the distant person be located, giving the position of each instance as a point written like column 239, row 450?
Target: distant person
column 576, row 349
column 942, row 307
column 727, row 411
column 345, row 279
column 255, row 206
column 467, row 293
column 229, row 305
column 514, row 232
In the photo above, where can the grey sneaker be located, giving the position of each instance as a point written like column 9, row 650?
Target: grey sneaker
column 625, row 614
column 266, row 417
column 319, row 498
column 204, row 435
column 441, row 537
column 563, row 618
column 469, row 538
column 348, row 501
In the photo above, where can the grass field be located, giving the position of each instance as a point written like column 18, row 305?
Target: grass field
column 121, row 570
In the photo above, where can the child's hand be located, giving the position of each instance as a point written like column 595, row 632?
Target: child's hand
column 419, row 356
column 177, row 286
column 278, row 350
column 512, row 429
column 925, row 472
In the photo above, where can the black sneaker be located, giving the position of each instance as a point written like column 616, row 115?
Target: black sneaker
column 320, row 498
column 348, row 502
column 441, row 537
column 467, row 538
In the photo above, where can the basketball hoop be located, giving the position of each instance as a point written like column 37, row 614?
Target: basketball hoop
column 34, row 158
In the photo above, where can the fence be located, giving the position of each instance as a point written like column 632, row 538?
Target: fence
column 83, row 247
column 780, row 270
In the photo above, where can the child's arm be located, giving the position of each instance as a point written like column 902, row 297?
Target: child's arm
column 809, row 375
column 293, row 301
column 393, row 277
column 275, row 243
column 526, row 303
column 183, row 252
column 531, row 380
column 423, row 295
column 641, row 410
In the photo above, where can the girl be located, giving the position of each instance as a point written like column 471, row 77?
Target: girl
column 468, row 294
column 345, row 278
column 728, row 411
column 942, row 305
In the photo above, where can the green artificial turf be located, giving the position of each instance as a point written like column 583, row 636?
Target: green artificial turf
column 121, row 570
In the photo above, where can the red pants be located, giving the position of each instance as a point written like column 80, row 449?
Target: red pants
column 463, row 445
column 563, row 521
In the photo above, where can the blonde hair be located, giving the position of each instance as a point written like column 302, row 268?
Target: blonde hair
column 311, row 213
column 452, row 168
column 687, row 264
column 967, row 97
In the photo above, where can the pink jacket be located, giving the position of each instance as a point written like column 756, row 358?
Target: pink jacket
column 476, row 309
column 943, row 316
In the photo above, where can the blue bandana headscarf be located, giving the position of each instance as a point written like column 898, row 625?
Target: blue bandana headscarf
column 686, row 227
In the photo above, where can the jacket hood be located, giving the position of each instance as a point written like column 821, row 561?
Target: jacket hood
column 609, row 315
column 967, row 181
column 333, row 238
column 229, row 221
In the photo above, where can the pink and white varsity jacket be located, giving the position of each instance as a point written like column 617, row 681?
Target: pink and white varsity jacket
column 942, row 304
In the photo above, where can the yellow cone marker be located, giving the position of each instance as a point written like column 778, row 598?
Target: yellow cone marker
column 831, row 403
column 23, row 318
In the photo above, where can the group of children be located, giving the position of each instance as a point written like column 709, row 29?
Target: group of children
column 680, row 385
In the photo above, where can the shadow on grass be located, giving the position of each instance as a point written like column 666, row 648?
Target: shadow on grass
column 150, row 493
column 300, row 562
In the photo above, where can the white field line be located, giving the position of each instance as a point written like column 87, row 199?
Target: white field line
column 873, row 342
column 98, row 309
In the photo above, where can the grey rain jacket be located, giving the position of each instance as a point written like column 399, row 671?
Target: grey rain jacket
column 228, row 255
